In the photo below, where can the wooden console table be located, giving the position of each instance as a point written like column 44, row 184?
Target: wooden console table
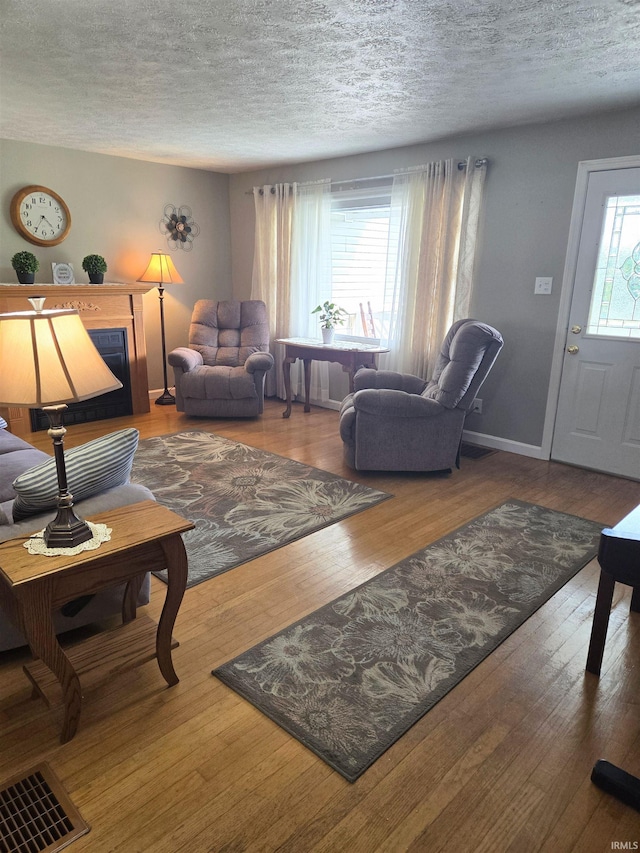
column 144, row 536
column 101, row 306
column 350, row 355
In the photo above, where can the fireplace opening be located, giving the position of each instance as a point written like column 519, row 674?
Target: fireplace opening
column 112, row 346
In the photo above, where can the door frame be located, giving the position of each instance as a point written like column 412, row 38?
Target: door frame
column 585, row 168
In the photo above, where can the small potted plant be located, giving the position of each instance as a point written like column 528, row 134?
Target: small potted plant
column 26, row 266
column 330, row 317
column 96, row 267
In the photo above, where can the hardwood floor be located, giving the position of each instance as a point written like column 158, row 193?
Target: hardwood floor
column 502, row 763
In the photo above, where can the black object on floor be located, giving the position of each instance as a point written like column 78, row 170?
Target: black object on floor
column 617, row 782
column 474, row 451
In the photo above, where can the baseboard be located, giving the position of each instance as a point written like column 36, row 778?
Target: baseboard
column 327, row 404
column 492, row 441
column 158, row 392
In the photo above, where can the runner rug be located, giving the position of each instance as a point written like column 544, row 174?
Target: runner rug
column 351, row 678
column 243, row 501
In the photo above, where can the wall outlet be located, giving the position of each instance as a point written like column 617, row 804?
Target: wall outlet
column 477, row 407
column 543, row 285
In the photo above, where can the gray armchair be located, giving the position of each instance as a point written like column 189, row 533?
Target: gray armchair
column 221, row 373
column 399, row 422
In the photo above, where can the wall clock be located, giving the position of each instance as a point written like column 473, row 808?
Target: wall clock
column 40, row 215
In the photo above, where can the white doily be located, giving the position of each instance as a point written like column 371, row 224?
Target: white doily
column 101, row 533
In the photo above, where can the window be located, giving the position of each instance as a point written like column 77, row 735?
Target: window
column 362, row 246
column 615, row 302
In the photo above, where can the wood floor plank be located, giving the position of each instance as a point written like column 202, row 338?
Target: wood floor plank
column 502, row 763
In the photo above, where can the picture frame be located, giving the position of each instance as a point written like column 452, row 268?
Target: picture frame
column 62, row 273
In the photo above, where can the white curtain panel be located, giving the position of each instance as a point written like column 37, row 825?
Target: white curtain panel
column 434, row 223
column 292, row 272
column 271, row 280
column 311, row 276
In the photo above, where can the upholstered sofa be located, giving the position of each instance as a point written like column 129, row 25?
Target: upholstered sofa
column 221, row 373
column 18, row 457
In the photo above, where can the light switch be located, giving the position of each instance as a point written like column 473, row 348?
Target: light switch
column 543, row 285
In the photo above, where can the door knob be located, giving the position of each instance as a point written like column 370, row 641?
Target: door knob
column 575, row 330
column 573, row 349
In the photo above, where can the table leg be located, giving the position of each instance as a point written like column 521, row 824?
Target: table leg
column 357, row 361
column 130, row 600
column 307, row 383
column 350, row 370
column 286, row 371
column 601, row 613
column 176, row 564
column 37, row 624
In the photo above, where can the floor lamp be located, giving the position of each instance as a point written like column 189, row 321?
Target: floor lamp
column 161, row 271
column 53, row 362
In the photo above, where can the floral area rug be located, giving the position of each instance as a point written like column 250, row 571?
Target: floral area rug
column 351, row 678
column 243, row 501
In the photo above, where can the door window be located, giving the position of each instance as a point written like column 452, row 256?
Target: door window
column 615, row 299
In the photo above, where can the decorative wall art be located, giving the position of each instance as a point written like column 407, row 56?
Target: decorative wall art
column 179, row 228
column 62, row 273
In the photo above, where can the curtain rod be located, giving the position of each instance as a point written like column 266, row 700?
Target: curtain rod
column 461, row 165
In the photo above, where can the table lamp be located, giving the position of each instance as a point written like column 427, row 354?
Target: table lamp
column 161, row 271
column 49, row 360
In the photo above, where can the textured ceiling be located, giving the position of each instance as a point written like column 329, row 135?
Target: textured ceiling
column 232, row 85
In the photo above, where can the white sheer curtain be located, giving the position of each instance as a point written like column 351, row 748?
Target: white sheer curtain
column 271, row 281
column 311, row 275
column 434, row 222
column 292, row 271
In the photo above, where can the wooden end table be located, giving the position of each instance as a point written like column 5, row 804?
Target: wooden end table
column 144, row 537
column 349, row 354
column 619, row 558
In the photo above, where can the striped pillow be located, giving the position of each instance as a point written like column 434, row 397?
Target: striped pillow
column 93, row 467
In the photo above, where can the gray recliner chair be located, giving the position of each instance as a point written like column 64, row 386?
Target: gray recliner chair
column 221, row 373
column 399, row 422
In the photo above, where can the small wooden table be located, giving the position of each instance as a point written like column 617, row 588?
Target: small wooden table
column 350, row 355
column 144, row 536
column 619, row 558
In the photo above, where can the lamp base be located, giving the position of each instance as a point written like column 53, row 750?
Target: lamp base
column 66, row 530
column 166, row 399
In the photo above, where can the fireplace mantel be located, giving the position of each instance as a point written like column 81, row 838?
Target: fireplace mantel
column 101, row 306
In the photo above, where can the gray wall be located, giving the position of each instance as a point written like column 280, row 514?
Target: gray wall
column 525, row 225
column 116, row 205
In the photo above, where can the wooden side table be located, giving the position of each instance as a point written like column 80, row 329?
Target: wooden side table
column 351, row 356
column 619, row 558
column 145, row 536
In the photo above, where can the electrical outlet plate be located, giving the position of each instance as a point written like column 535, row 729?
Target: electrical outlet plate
column 477, row 407
column 543, row 284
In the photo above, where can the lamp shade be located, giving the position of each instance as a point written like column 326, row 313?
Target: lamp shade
column 161, row 270
column 48, row 358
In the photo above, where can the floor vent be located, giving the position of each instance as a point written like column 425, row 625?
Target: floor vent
column 36, row 814
column 473, row 451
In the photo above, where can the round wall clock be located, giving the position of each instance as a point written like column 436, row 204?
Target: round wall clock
column 40, row 216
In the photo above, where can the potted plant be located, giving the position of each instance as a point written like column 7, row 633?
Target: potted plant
column 26, row 266
column 330, row 317
column 96, row 267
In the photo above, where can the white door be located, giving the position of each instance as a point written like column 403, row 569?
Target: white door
column 598, row 416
